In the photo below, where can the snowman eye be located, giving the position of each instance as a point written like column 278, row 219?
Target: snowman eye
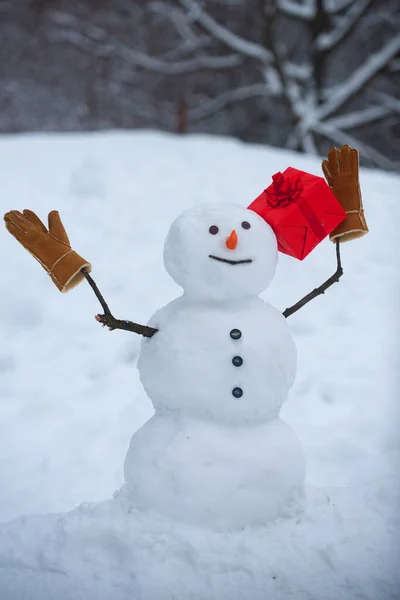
column 213, row 230
column 246, row 225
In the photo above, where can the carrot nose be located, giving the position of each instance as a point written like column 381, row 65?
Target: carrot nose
column 232, row 241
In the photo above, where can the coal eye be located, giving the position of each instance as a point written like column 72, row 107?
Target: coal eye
column 246, row 225
column 213, row 230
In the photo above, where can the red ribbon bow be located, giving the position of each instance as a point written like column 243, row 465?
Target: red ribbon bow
column 283, row 191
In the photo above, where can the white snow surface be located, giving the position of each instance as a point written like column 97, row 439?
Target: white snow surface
column 70, row 395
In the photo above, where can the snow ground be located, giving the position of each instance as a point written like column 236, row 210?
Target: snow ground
column 70, row 396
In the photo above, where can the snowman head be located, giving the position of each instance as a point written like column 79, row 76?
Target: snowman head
column 221, row 252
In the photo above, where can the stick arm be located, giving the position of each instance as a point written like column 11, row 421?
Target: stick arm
column 319, row 290
column 108, row 319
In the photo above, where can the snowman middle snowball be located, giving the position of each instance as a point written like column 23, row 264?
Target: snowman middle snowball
column 217, row 372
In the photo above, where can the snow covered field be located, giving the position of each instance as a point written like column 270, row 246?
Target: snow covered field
column 70, row 396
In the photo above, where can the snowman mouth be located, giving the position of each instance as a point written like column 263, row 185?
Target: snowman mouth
column 231, row 262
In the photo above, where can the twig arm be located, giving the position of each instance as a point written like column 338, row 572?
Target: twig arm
column 96, row 290
column 319, row 290
column 111, row 322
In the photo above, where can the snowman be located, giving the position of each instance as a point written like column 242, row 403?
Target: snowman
column 217, row 371
column 217, row 362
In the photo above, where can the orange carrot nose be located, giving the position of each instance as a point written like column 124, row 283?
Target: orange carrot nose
column 232, row 241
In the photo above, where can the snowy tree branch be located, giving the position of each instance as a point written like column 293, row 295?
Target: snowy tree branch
column 391, row 103
column 227, row 37
column 142, row 60
column 229, row 97
column 334, row 7
column 327, row 41
column 293, row 139
column 300, row 73
column 186, row 47
column 185, row 66
column 308, row 143
column 374, row 63
column 360, row 117
column 340, row 137
column 177, row 16
column 305, row 10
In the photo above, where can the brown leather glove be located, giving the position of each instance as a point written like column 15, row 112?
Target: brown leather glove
column 50, row 247
column 341, row 173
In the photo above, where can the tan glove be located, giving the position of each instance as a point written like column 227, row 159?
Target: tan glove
column 50, row 247
column 341, row 173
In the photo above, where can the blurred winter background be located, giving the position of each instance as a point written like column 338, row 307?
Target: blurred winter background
column 300, row 74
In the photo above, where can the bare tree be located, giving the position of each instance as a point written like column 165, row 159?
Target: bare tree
column 316, row 108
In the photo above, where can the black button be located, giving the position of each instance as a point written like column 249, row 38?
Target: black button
column 235, row 334
column 237, row 361
column 237, row 392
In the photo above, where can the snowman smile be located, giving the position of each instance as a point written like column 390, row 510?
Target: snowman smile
column 231, row 262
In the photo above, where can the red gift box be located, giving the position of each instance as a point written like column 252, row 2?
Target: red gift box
column 301, row 209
